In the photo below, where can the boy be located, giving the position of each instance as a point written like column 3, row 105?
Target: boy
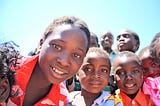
column 128, row 74
column 93, row 76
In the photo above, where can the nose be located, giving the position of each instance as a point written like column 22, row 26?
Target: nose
column 96, row 74
column 64, row 60
column 128, row 76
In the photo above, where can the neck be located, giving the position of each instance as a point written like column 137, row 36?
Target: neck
column 109, row 50
column 89, row 96
column 38, row 76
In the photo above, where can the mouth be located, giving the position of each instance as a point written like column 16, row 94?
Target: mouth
column 95, row 83
column 130, row 86
column 58, row 73
column 121, row 44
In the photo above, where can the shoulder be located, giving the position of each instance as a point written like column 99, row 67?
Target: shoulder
column 72, row 95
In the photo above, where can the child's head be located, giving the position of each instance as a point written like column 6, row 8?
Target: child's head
column 107, row 40
column 151, row 68
column 128, row 40
column 62, row 48
column 94, row 72
column 128, row 72
column 8, row 60
column 93, row 40
column 155, row 48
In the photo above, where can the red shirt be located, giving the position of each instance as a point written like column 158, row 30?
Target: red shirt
column 57, row 96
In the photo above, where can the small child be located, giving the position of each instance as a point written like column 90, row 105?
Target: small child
column 128, row 74
column 8, row 60
column 151, row 84
column 93, row 76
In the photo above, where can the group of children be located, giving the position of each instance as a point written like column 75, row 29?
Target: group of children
column 64, row 51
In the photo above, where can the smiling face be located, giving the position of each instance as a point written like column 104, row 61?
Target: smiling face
column 128, row 73
column 94, row 73
column 126, row 41
column 62, row 52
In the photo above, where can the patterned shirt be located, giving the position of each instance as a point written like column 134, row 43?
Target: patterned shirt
column 105, row 99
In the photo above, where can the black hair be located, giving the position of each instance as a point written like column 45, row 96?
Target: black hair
column 9, row 61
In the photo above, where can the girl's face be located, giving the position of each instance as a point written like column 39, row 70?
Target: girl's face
column 128, row 74
column 62, row 53
column 94, row 73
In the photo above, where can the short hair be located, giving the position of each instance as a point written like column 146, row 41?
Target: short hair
column 93, row 34
column 126, row 54
column 98, row 51
column 67, row 20
column 155, row 46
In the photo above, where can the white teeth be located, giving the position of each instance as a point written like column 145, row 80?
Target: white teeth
column 57, row 71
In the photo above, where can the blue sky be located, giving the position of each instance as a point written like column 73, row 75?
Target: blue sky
column 24, row 21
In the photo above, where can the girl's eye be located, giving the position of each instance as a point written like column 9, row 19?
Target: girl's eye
column 58, row 47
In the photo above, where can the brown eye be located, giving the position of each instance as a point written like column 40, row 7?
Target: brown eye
column 55, row 46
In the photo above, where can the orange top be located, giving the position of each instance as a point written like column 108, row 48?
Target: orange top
column 140, row 100
column 56, row 97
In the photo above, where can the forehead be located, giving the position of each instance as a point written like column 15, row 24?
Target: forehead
column 70, row 34
column 146, row 55
column 107, row 35
column 126, row 61
column 96, row 57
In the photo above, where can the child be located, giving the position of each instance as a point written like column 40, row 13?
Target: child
column 93, row 76
column 128, row 74
column 127, row 40
column 151, row 68
column 73, row 83
column 8, row 59
column 151, row 75
column 93, row 40
column 61, row 51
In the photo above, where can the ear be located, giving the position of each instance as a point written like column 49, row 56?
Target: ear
column 136, row 46
column 39, row 46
